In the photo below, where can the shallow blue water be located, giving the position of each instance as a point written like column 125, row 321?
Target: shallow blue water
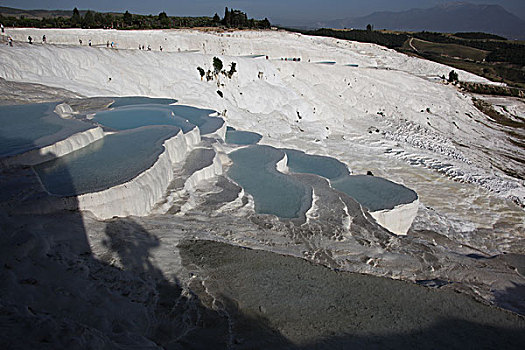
column 139, row 100
column 300, row 162
column 199, row 117
column 31, row 126
column 135, row 112
column 273, row 193
column 238, row 137
column 131, row 117
column 113, row 160
column 374, row 193
column 282, row 195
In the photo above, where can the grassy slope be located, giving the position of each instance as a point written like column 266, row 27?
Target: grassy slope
column 468, row 59
column 449, row 50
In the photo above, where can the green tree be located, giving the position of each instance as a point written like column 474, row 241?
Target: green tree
column 369, row 27
column 226, row 20
column 265, row 23
column 75, row 19
column 128, row 18
column 99, row 19
column 452, row 76
column 232, row 70
column 164, row 20
column 201, row 72
column 89, row 20
column 216, row 18
column 108, row 20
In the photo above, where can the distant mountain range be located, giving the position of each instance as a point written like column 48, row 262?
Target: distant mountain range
column 38, row 14
column 449, row 17
column 9, row 11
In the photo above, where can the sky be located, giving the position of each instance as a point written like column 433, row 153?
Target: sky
column 278, row 11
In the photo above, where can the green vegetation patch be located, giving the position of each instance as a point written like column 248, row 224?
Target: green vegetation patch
column 450, row 50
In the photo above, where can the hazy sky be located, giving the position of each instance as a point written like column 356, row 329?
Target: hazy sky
column 276, row 10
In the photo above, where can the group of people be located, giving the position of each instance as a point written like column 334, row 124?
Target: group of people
column 29, row 39
column 44, row 40
column 108, row 44
column 141, row 47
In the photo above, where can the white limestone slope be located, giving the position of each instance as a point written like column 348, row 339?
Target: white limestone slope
column 204, row 174
column 320, row 109
column 399, row 219
column 282, row 165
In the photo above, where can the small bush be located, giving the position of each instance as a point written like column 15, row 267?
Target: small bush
column 217, row 65
column 453, row 77
column 232, row 70
column 201, row 72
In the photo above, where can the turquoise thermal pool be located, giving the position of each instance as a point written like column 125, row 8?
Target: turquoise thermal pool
column 108, row 162
column 131, row 117
column 327, row 167
column 132, row 112
column 142, row 125
column 285, row 196
column 199, row 117
column 273, row 193
column 238, row 137
column 32, row 126
column 140, row 100
column 373, row 192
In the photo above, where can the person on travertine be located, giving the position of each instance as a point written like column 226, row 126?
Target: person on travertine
column 2, row 26
column 107, row 43
column 43, row 39
column 30, row 39
column 89, row 43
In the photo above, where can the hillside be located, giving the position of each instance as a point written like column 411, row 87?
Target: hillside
column 447, row 18
column 34, row 14
column 486, row 55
